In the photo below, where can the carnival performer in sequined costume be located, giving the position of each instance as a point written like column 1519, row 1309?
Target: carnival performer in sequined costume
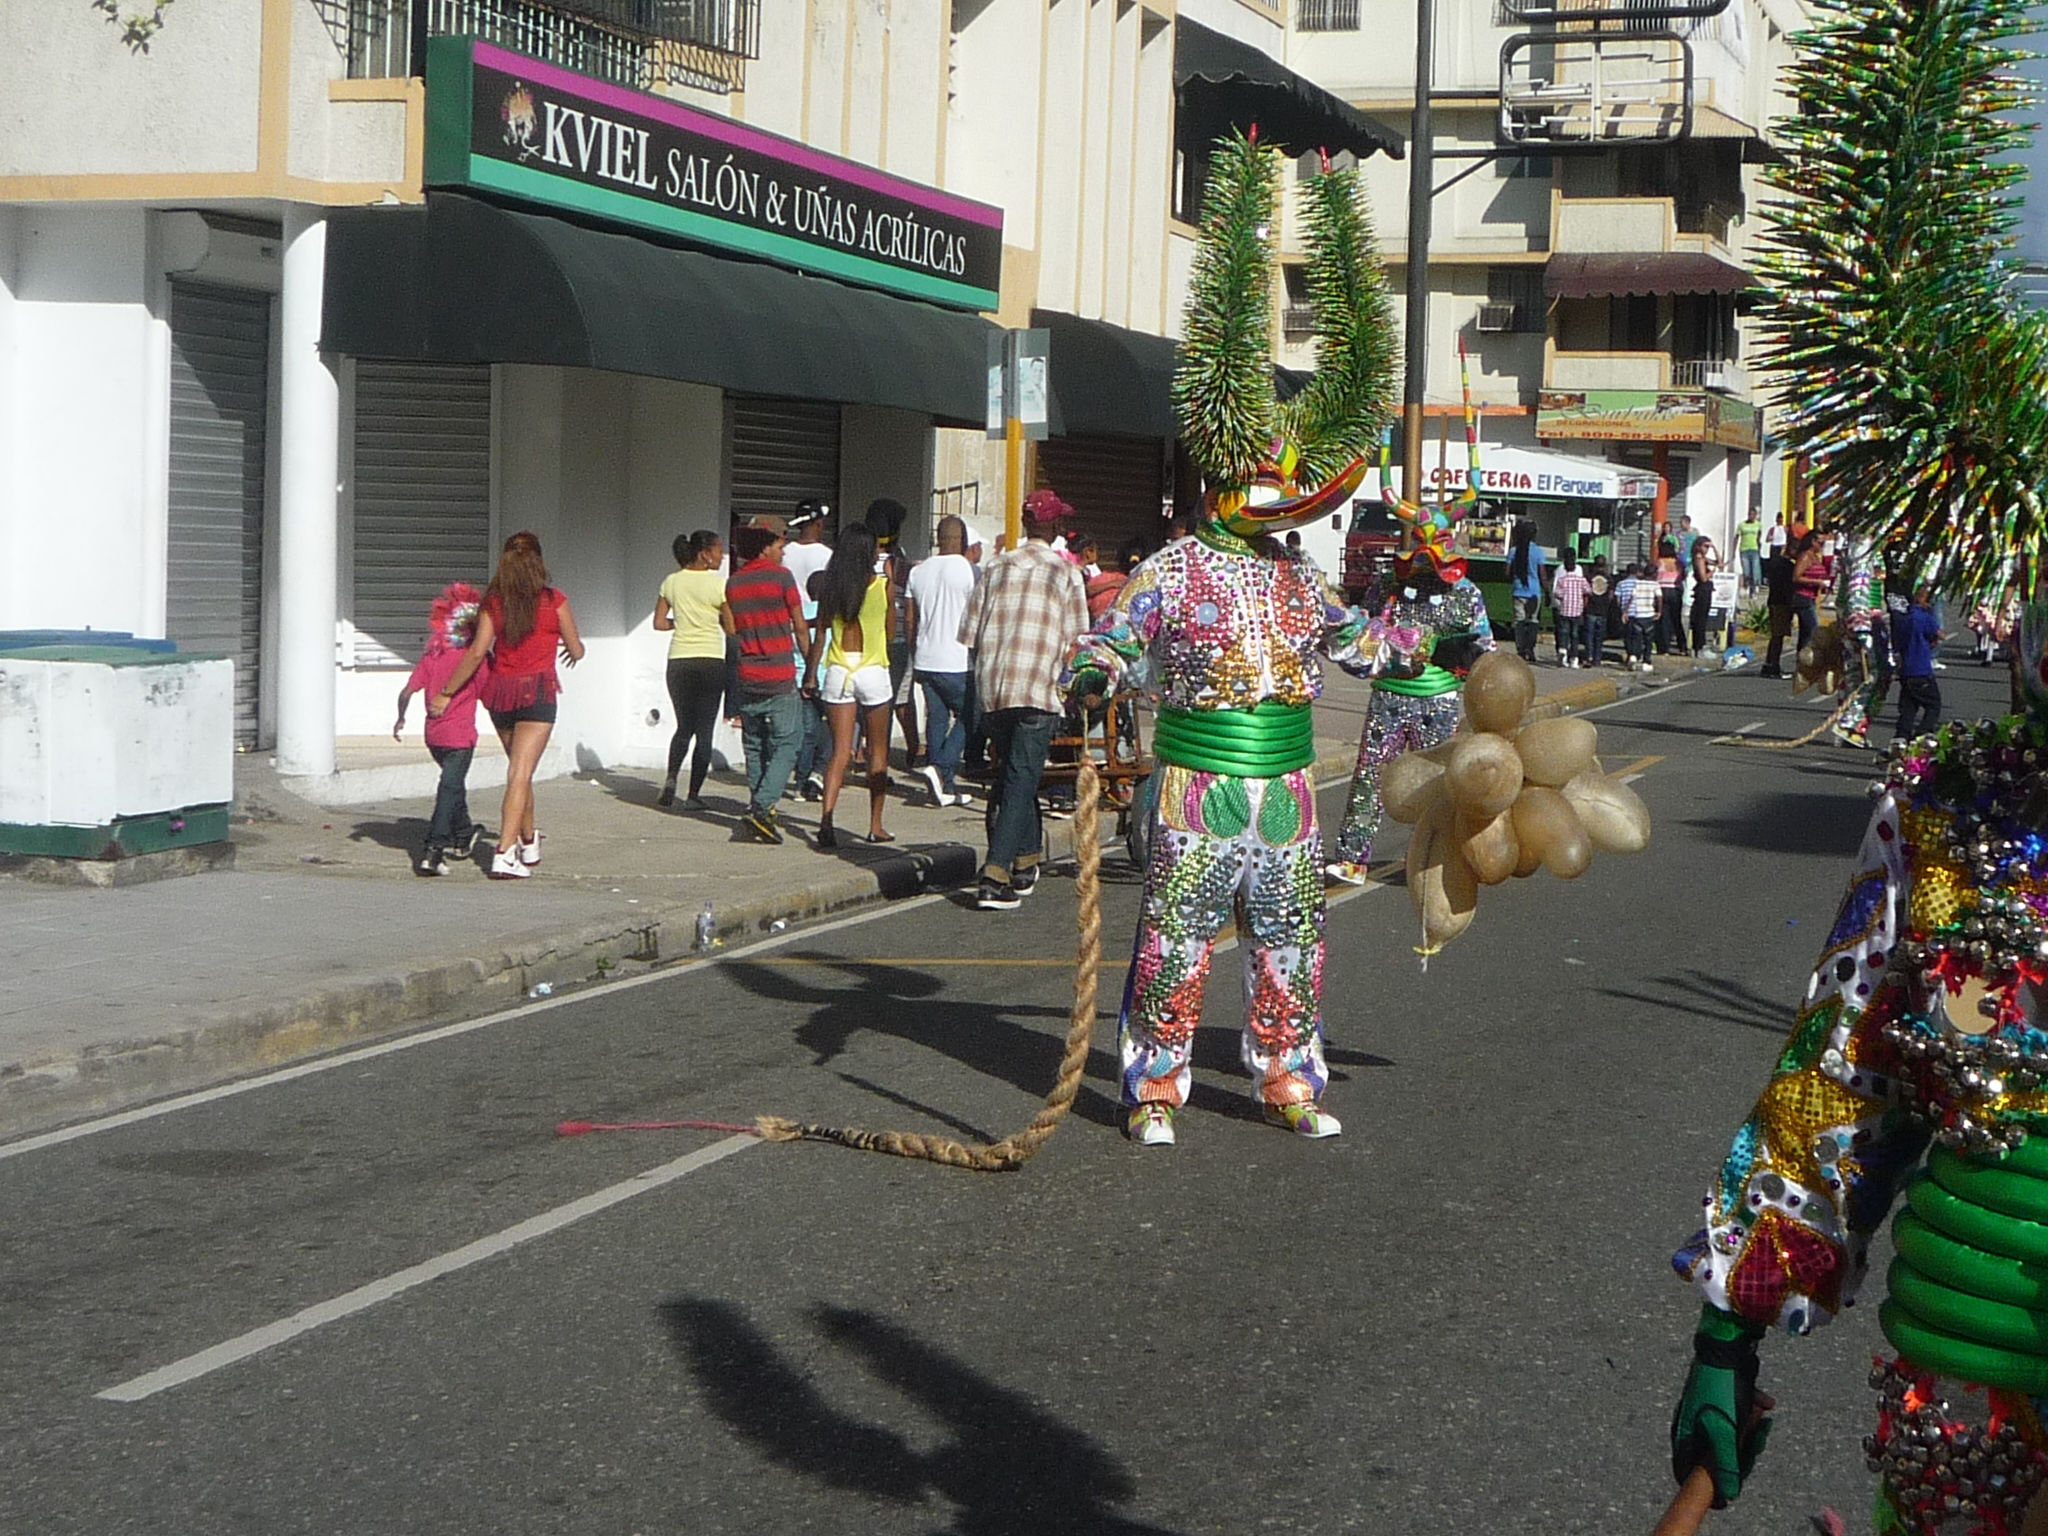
column 1235, row 628
column 1414, row 698
column 1866, row 641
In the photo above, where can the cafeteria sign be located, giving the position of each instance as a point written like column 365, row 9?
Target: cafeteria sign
column 500, row 122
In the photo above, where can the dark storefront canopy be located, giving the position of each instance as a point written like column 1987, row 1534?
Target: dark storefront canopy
column 1611, row 274
column 1227, row 84
column 1107, row 379
column 465, row 281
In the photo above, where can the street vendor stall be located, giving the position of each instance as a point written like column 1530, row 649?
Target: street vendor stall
column 1595, row 507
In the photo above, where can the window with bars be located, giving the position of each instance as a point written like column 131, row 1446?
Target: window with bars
column 1326, row 15
column 1515, row 304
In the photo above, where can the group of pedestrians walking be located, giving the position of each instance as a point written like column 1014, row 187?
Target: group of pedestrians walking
column 1644, row 606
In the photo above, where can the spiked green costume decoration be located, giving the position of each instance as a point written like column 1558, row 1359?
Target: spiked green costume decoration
column 1916, row 1075
column 1236, row 629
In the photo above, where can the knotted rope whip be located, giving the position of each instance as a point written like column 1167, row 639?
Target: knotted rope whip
column 1017, row 1149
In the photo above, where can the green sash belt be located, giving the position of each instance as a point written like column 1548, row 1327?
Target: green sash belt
column 1432, row 681
column 1263, row 742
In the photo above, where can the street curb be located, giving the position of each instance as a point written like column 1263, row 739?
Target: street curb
column 60, row 1087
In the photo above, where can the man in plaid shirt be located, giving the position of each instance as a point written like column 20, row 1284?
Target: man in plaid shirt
column 1569, row 593
column 1020, row 623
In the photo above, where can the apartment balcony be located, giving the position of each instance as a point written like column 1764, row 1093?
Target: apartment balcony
column 644, row 44
column 1642, row 370
column 1636, row 225
column 1637, row 396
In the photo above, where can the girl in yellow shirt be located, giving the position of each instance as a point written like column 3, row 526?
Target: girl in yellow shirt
column 849, row 662
column 692, row 610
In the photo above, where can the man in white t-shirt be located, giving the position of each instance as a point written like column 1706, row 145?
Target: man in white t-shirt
column 934, row 600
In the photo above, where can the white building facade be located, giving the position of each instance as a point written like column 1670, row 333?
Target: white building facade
column 307, row 308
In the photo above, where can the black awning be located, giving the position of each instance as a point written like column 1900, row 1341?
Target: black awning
column 1228, row 84
column 1108, row 380
column 1605, row 274
column 465, row 281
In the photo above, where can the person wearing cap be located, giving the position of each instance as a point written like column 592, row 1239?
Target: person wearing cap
column 805, row 556
column 1021, row 620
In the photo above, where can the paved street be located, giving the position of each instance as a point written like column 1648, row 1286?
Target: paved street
column 1457, row 1318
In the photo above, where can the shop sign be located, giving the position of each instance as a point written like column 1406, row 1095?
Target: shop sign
column 1555, row 484
column 501, row 122
column 1647, row 416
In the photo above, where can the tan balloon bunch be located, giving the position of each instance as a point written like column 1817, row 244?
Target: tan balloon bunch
column 1504, row 800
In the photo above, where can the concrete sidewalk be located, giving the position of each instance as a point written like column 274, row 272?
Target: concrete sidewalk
column 322, row 937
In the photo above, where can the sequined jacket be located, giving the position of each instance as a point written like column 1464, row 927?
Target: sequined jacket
column 1418, row 614
column 1224, row 627
column 1947, row 896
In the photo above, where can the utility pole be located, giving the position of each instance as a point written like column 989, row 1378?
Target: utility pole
column 1421, row 173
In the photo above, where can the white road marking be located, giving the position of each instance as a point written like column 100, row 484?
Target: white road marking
column 445, row 1032
column 1738, row 733
column 257, row 1340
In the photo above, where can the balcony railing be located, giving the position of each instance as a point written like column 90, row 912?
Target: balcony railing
column 1298, row 320
column 1326, row 15
column 1707, row 218
column 640, row 43
column 1709, row 373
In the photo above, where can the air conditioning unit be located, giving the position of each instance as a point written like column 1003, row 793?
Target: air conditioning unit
column 1496, row 318
column 1714, row 375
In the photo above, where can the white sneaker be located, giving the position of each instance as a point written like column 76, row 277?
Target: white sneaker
column 936, row 784
column 529, row 853
column 1150, row 1125
column 506, row 865
column 961, row 797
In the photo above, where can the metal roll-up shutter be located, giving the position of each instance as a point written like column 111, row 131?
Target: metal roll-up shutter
column 1114, row 484
column 220, row 390
column 422, row 480
column 781, row 452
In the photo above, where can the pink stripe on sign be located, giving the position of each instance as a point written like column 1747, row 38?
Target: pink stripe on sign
column 789, row 151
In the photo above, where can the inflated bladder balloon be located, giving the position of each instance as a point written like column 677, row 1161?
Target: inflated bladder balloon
column 1410, row 785
column 1545, row 821
column 1613, row 815
column 1489, row 847
column 1498, row 692
column 1483, row 775
column 1440, row 883
column 1552, row 751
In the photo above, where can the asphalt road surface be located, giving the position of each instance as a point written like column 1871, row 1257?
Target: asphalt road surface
column 1458, row 1318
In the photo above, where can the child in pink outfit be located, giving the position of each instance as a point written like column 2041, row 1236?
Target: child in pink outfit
column 451, row 735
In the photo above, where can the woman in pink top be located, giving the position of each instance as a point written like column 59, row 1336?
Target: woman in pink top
column 524, row 624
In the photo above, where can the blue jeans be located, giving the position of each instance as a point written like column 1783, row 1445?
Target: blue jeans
column 811, row 745
column 771, row 728
column 451, row 826
column 1752, row 569
column 1019, row 741
column 1593, row 627
column 948, row 707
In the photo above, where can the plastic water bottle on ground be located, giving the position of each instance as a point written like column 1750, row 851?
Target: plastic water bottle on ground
column 707, row 928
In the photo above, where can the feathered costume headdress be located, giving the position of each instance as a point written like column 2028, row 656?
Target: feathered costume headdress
column 451, row 622
column 1914, row 382
column 1274, row 465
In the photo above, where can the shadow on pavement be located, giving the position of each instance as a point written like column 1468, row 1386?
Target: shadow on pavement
column 1712, row 997
column 1008, row 1467
column 1826, row 824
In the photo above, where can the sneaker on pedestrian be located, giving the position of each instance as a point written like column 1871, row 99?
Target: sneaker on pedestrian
column 762, row 825
column 997, row 896
column 1349, row 871
column 960, row 797
column 936, row 784
column 469, row 846
column 814, row 788
column 1024, row 881
column 1309, row 1120
column 529, row 852
column 432, row 862
column 1150, row 1125
column 507, row 865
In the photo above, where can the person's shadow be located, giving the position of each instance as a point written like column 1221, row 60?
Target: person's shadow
column 1009, row 1468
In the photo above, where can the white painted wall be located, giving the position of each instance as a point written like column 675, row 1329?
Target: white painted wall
column 86, row 369
column 74, row 101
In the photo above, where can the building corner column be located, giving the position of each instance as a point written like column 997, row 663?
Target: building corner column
column 309, row 506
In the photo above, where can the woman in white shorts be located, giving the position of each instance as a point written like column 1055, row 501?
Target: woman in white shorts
column 850, row 660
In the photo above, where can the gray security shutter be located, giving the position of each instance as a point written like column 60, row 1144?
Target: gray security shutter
column 220, row 357
column 422, row 498
column 781, row 452
column 1114, row 484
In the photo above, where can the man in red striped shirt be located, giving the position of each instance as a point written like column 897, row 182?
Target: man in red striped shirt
column 761, row 696
column 1569, row 592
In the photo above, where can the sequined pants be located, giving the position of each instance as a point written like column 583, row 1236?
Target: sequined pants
column 1394, row 723
column 1224, row 846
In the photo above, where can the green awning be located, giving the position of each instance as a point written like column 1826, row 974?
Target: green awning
column 461, row 280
